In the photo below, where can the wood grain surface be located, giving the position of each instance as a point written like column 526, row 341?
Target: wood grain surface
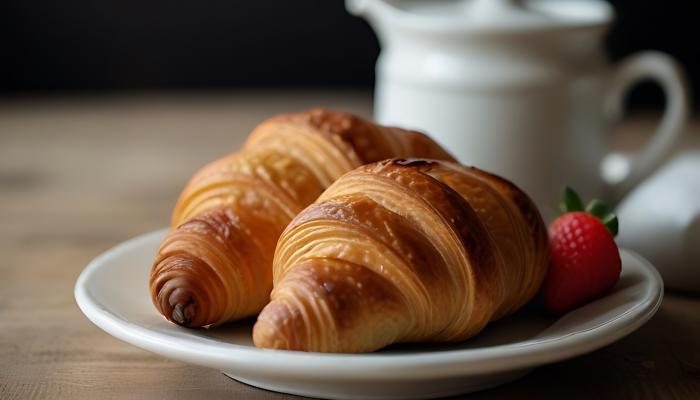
column 79, row 175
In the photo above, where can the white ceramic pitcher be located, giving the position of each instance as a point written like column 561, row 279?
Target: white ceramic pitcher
column 520, row 88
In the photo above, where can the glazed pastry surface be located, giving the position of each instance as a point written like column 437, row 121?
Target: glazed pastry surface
column 403, row 251
column 216, row 263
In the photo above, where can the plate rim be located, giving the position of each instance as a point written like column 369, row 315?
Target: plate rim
column 369, row 366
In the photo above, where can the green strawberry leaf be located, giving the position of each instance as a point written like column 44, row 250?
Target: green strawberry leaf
column 601, row 211
column 570, row 201
column 612, row 224
column 598, row 208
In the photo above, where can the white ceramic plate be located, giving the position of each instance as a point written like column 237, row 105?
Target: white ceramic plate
column 112, row 291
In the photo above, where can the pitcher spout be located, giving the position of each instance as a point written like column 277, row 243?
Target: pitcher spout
column 357, row 7
column 376, row 12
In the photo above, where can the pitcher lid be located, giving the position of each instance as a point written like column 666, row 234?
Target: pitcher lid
column 490, row 15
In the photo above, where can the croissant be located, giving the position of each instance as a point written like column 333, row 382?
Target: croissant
column 403, row 251
column 216, row 263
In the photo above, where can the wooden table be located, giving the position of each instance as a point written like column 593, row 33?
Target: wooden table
column 78, row 176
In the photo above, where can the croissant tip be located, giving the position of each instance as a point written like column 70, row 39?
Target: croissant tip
column 265, row 336
column 183, row 314
column 271, row 330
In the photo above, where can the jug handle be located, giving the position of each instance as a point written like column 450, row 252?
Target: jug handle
column 621, row 172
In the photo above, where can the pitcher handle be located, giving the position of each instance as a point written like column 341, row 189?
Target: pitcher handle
column 621, row 172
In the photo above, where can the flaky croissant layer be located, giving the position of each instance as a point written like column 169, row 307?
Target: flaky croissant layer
column 216, row 263
column 403, row 251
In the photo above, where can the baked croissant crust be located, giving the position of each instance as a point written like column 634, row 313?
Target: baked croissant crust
column 403, row 251
column 216, row 263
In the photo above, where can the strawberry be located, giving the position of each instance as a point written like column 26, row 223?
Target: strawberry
column 584, row 259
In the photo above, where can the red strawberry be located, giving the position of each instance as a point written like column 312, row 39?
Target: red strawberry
column 584, row 259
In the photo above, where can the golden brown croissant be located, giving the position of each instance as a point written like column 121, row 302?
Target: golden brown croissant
column 216, row 263
column 403, row 251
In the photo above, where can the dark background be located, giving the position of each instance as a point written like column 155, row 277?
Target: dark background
column 78, row 46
